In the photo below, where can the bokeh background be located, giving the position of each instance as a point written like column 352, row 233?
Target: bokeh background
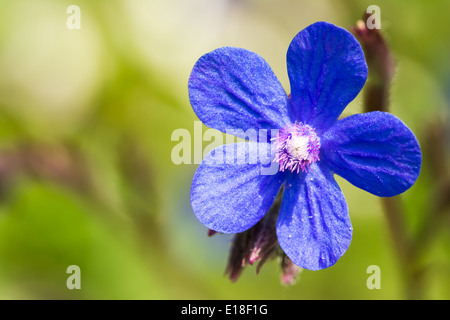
column 86, row 176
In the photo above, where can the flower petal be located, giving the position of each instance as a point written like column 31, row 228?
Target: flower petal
column 374, row 151
column 231, row 190
column 233, row 88
column 327, row 70
column 314, row 227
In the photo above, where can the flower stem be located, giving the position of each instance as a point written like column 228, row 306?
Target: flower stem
column 381, row 67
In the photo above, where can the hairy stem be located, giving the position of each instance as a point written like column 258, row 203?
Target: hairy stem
column 381, row 67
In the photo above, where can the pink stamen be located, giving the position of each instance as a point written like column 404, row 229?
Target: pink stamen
column 296, row 147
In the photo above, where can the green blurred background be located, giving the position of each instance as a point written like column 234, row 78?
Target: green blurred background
column 86, row 176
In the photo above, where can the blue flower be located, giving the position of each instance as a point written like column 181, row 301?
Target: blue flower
column 232, row 88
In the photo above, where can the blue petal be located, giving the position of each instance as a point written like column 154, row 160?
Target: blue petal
column 374, row 151
column 314, row 227
column 233, row 88
column 231, row 191
column 327, row 70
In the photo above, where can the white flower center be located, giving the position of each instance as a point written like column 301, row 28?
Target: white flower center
column 298, row 147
